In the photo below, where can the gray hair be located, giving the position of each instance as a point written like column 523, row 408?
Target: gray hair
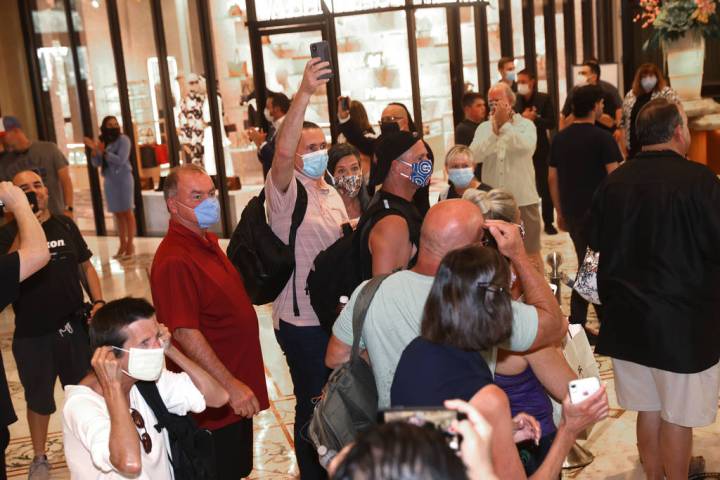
column 497, row 204
column 170, row 187
column 509, row 94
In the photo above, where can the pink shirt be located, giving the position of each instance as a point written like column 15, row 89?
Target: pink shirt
column 320, row 228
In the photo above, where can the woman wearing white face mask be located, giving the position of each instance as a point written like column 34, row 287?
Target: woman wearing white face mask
column 460, row 169
column 108, row 427
column 347, row 173
column 649, row 84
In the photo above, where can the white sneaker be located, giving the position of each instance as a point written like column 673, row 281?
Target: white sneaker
column 39, row 469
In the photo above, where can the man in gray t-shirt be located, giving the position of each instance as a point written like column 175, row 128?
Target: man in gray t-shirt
column 394, row 317
column 43, row 157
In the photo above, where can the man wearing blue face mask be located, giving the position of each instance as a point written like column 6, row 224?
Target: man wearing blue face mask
column 508, row 76
column 300, row 162
column 201, row 298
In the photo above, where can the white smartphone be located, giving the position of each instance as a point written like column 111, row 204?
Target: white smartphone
column 582, row 388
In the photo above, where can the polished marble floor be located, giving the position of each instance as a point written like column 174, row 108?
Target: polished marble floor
column 612, row 441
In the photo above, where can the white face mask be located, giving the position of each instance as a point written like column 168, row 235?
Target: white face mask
column 523, row 88
column 268, row 117
column 144, row 363
column 581, row 80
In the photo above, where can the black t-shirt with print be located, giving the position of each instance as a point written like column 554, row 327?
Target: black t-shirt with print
column 49, row 298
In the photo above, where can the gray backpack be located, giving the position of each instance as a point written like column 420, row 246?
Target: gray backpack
column 348, row 404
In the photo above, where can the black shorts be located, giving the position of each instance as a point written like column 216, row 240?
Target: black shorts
column 41, row 360
column 234, row 450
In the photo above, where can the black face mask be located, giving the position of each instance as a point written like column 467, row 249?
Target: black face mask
column 389, row 127
column 109, row 135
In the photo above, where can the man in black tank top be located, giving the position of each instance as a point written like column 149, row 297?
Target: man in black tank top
column 390, row 228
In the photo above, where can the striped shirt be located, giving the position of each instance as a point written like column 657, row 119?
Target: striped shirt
column 320, row 228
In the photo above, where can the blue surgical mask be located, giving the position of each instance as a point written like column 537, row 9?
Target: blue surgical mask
column 510, row 76
column 208, row 212
column 461, row 177
column 648, row 83
column 421, row 172
column 315, row 163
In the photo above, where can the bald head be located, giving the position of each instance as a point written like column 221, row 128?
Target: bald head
column 449, row 225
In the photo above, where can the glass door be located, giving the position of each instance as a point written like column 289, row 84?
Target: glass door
column 284, row 57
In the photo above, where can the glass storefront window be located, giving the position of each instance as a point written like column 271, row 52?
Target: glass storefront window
column 517, row 34
column 494, row 50
column 540, row 49
column 340, row 6
column 469, row 53
column 434, row 72
column 561, row 53
column 145, row 92
column 285, row 56
column 373, row 60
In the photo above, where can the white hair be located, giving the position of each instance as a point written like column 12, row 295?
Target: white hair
column 509, row 94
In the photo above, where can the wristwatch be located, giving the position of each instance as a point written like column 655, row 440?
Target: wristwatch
column 69, row 208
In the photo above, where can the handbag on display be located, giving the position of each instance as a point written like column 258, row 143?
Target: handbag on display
column 585, row 283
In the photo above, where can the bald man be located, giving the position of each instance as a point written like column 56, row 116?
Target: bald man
column 394, row 317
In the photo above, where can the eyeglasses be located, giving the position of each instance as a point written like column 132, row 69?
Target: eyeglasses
column 140, row 424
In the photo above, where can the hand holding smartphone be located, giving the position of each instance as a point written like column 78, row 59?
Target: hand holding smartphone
column 321, row 50
column 582, row 388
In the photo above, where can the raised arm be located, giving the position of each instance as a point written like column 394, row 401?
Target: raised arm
column 551, row 323
column 288, row 136
column 32, row 248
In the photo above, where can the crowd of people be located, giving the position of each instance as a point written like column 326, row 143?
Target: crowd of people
column 463, row 319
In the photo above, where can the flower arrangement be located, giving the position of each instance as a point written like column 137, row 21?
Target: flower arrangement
column 671, row 19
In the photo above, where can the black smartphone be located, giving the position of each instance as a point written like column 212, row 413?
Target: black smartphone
column 346, row 103
column 321, row 50
column 437, row 418
column 32, row 200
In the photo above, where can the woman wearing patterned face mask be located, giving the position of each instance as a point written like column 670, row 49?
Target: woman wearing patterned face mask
column 649, row 84
column 344, row 167
column 460, row 169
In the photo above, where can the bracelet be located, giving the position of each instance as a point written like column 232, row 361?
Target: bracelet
column 99, row 301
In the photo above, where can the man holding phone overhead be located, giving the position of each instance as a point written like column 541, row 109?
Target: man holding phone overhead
column 299, row 165
column 50, row 338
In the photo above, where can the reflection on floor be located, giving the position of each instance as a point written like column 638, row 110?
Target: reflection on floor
column 613, row 441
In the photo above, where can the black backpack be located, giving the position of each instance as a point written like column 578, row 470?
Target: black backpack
column 337, row 270
column 264, row 261
column 192, row 454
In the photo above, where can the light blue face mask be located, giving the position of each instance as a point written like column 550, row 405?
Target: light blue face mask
column 208, row 212
column 510, row 76
column 315, row 163
column 461, row 177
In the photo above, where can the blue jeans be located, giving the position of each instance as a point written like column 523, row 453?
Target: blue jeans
column 304, row 349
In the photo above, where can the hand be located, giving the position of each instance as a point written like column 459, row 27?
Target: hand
column 94, row 309
column 342, row 113
column 526, row 427
column 100, row 147
column 503, row 113
column 165, row 336
column 606, row 120
column 530, row 113
column 242, row 399
column 475, row 449
column 257, row 135
column 107, row 368
column 13, row 197
column 314, row 69
column 508, row 238
column 90, row 143
column 577, row 417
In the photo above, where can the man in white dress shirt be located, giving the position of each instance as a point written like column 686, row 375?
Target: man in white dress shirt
column 504, row 145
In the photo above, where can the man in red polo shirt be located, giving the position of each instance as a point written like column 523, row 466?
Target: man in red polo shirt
column 199, row 295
